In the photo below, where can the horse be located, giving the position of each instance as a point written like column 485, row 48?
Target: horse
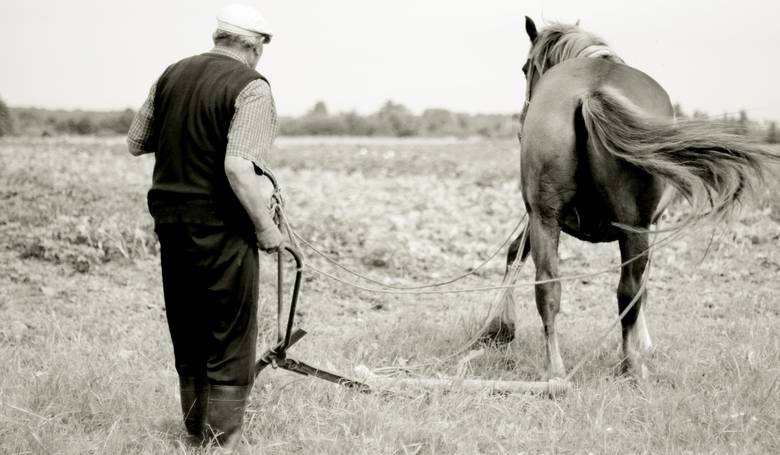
column 602, row 156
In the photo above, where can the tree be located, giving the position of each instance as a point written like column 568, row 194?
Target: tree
column 742, row 123
column 318, row 122
column 123, row 121
column 81, row 125
column 439, row 122
column 678, row 111
column 357, row 125
column 771, row 136
column 396, row 120
column 6, row 121
column 319, row 109
column 118, row 123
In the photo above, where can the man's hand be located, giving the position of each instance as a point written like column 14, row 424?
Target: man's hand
column 269, row 239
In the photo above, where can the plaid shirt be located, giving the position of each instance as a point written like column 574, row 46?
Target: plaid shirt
column 252, row 130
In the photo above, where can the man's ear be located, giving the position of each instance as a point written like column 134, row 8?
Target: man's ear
column 530, row 28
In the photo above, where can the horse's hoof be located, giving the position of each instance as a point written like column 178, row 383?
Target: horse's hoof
column 554, row 375
column 498, row 332
column 555, row 371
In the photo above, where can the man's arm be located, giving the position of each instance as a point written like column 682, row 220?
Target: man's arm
column 254, row 196
column 254, row 125
column 138, row 137
column 251, row 134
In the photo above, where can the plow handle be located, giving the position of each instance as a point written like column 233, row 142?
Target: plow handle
column 296, row 291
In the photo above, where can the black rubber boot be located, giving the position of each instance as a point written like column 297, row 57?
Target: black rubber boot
column 194, row 395
column 225, row 418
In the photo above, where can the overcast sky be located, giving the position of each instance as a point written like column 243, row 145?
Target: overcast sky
column 712, row 55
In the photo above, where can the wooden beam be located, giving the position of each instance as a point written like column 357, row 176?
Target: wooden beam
column 552, row 388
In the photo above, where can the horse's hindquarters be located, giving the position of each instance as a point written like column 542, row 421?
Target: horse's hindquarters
column 564, row 176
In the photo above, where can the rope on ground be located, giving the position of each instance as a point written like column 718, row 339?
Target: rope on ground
column 658, row 244
column 472, row 271
column 278, row 208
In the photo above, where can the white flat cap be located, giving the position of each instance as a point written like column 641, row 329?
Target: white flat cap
column 243, row 20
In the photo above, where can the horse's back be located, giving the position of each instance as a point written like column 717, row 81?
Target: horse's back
column 560, row 90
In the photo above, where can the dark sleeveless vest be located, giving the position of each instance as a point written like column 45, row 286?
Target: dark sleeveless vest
column 194, row 103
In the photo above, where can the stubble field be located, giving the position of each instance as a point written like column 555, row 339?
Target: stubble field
column 87, row 363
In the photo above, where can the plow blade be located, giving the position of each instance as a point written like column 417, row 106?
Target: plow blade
column 277, row 358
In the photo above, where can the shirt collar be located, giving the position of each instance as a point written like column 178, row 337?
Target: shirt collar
column 227, row 52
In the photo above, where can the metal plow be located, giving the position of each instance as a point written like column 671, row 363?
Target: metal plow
column 277, row 356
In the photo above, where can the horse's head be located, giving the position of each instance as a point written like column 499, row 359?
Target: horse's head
column 530, row 29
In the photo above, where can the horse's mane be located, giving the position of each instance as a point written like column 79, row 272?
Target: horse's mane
column 558, row 42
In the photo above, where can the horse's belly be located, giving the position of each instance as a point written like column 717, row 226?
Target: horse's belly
column 589, row 223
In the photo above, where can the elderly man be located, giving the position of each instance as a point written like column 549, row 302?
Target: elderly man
column 210, row 121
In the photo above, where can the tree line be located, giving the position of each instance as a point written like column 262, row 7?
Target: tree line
column 391, row 119
column 48, row 122
column 735, row 123
column 394, row 119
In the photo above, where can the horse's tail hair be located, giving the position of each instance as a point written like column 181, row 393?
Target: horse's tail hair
column 711, row 168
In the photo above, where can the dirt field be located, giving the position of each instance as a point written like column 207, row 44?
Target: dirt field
column 88, row 365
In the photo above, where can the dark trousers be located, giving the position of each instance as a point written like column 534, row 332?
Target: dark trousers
column 210, row 282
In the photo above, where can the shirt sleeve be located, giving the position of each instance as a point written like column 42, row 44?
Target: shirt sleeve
column 140, row 133
column 254, row 125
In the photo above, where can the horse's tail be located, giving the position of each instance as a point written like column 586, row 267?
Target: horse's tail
column 712, row 169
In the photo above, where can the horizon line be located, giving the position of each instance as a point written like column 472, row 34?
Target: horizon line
column 688, row 112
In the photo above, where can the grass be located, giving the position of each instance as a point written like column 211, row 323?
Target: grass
column 88, row 364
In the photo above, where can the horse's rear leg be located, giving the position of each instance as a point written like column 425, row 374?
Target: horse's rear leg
column 500, row 327
column 635, row 334
column 544, row 236
column 642, row 332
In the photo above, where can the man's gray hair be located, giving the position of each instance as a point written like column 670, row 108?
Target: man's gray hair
column 224, row 38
